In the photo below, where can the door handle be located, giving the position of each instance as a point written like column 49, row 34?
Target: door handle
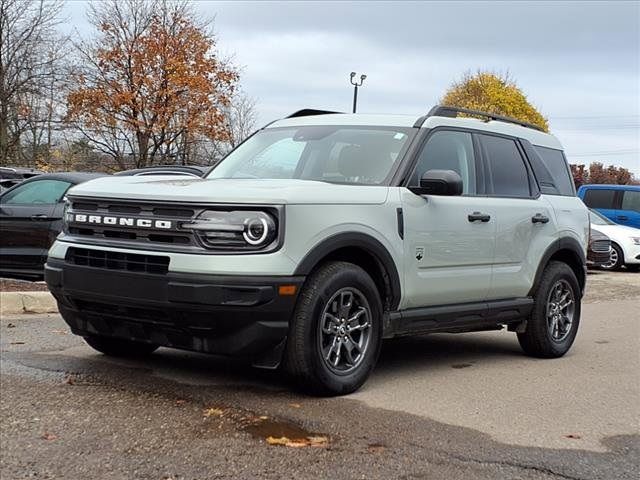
column 623, row 217
column 475, row 216
column 39, row 217
column 539, row 218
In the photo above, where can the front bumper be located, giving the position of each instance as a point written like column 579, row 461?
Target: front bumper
column 221, row 314
column 598, row 258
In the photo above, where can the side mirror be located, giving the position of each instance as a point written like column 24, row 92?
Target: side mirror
column 439, row 182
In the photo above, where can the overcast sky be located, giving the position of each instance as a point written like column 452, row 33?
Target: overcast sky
column 578, row 62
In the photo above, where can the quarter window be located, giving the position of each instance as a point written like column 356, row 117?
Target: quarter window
column 631, row 201
column 38, row 192
column 599, row 198
column 448, row 150
column 557, row 166
column 507, row 172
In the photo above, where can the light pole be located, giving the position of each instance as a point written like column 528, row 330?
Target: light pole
column 355, row 87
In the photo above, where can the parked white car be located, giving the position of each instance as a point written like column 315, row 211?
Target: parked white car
column 625, row 242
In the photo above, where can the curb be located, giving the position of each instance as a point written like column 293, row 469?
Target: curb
column 27, row 302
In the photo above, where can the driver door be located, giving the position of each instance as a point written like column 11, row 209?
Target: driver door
column 449, row 240
column 26, row 214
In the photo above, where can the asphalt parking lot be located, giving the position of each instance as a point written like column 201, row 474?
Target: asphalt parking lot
column 438, row 406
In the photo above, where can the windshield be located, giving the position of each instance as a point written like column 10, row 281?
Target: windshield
column 337, row 154
column 599, row 219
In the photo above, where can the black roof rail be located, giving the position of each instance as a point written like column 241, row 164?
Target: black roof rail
column 452, row 112
column 306, row 112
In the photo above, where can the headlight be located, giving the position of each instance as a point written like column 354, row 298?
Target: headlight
column 635, row 240
column 235, row 230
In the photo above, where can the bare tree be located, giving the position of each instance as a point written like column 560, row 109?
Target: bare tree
column 241, row 122
column 31, row 52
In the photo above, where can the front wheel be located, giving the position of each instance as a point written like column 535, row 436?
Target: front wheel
column 334, row 338
column 616, row 258
column 553, row 324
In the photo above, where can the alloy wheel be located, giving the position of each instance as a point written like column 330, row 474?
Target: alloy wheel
column 560, row 310
column 345, row 330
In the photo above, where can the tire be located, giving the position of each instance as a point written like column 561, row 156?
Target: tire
column 115, row 347
column 318, row 338
column 617, row 258
column 550, row 337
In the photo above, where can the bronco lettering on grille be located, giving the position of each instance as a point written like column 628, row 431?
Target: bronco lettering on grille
column 121, row 221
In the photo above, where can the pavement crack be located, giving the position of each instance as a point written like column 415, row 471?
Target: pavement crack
column 506, row 463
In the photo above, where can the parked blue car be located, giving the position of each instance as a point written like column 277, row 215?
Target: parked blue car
column 619, row 203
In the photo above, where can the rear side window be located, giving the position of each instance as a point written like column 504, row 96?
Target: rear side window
column 557, row 166
column 507, row 171
column 599, row 198
column 631, row 201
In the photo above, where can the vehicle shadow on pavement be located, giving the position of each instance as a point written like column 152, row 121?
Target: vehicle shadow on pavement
column 436, row 351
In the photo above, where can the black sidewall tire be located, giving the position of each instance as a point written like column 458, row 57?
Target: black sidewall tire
column 536, row 340
column 303, row 358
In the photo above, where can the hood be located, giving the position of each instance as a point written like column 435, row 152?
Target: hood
column 224, row 190
column 617, row 231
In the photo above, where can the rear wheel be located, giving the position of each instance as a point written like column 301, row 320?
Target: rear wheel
column 553, row 324
column 334, row 338
column 116, row 347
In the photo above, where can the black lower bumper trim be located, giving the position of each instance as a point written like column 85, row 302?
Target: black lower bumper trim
column 228, row 315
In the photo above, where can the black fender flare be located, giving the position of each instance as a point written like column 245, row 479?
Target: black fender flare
column 562, row 244
column 361, row 241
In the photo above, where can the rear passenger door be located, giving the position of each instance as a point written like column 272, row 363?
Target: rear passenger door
column 525, row 221
column 629, row 213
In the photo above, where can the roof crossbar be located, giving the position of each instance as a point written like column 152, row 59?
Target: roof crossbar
column 452, row 112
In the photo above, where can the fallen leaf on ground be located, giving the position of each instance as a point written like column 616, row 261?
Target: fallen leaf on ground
column 213, row 412
column 263, row 417
column 17, row 343
column 48, row 436
column 59, row 332
column 70, row 380
column 180, row 401
column 376, row 448
column 295, row 405
column 574, row 436
column 317, row 441
column 10, row 325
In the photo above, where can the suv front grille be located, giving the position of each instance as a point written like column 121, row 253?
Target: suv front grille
column 129, row 262
column 161, row 238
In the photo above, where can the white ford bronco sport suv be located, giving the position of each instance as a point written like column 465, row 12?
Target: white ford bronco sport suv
column 324, row 233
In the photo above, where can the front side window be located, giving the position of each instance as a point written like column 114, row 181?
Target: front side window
column 37, row 192
column 337, row 154
column 448, row 150
column 599, row 198
column 631, row 201
column 507, row 172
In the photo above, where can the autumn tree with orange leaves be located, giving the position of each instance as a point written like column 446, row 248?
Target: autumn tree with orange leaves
column 151, row 84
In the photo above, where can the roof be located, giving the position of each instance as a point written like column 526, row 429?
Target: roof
column 198, row 170
column 608, row 186
column 356, row 119
column 71, row 177
column 536, row 137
